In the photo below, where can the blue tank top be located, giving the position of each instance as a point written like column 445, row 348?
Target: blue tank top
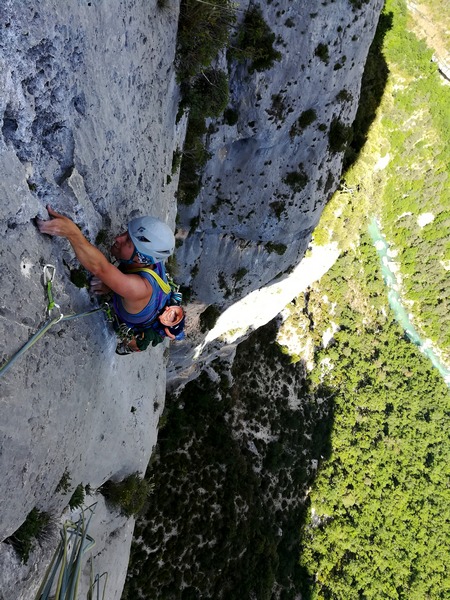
column 150, row 312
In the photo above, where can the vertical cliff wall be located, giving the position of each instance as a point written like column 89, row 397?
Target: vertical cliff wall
column 272, row 171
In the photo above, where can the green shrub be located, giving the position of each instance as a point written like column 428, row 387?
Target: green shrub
column 277, row 248
column 31, row 529
column 203, row 29
column 357, row 4
column 296, row 180
column 176, row 160
column 194, row 158
column 305, row 119
column 64, row 483
column 278, row 108
column 339, row 136
column 129, row 494
column 344, row 96
column 255, row 42
column 207, row 96
column 322, row 52
column 208, row 318
column 240, row 274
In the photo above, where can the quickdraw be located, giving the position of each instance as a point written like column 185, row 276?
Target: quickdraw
column 49, row 276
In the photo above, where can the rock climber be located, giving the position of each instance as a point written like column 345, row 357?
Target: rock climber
column 138, row 295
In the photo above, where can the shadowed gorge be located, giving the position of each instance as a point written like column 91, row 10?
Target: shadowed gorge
column 229, row 482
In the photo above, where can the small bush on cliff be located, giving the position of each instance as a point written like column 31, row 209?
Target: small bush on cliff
column 77, row 498
column 203, row 29
column 64, row 483
column 296, row 180
column 339, row 136
column 344, row 96
column 129, row 494
column 357, row 4
column 194, row 158
column 322, row 52
column 277, row 248
column 255, row 42
column 305, row 119
column 240, row 274
column 176, row 160
column 209, row 317
column 208, row 94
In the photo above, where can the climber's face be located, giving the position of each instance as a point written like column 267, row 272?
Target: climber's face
column 172, row 315
column 123, row 247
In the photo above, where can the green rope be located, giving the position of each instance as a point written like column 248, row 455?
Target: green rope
column 48, row 280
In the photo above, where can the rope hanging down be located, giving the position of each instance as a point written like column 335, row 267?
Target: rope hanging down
column 49, row 276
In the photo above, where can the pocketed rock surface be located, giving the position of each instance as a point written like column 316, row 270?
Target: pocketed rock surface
column 87, row 105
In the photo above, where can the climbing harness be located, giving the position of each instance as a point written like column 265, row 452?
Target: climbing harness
column 49, row 276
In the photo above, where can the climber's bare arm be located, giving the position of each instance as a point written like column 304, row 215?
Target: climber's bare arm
column 131, row 287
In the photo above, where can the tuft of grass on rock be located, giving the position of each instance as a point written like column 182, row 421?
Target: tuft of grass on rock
column 305, row 119
column 32, row 529
column 323, row 53
column 77, row 499
column 64, row 483
column 254, row 42
column 277, row 248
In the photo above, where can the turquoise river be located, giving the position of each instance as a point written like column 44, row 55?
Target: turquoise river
column 395, row 301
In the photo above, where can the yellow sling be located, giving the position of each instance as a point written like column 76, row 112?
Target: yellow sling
column 162, row 284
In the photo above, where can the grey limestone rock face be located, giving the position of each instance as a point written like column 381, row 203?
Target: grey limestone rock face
column 272, row 172
column 88, row 100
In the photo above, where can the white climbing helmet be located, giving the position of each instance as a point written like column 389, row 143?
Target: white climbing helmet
column 153, row 240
